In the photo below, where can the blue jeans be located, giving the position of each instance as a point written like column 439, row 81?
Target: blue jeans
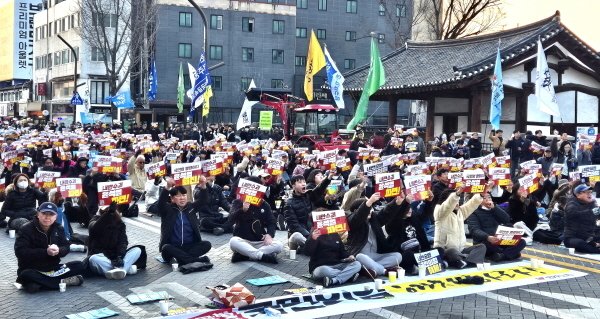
column 100, row 264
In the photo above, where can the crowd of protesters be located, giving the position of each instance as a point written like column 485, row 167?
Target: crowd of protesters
column 383, row 233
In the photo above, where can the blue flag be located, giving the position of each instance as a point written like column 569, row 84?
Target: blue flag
column 497, row 93
column 122, row 100
column 153, row 81
column 335, row 79
column 202, row 81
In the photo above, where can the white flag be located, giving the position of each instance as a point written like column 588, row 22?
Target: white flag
column 544, row 90
column 336, row 80
column 190, row 92
column 245, row 118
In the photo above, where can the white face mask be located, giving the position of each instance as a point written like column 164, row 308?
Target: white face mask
column 22, row 184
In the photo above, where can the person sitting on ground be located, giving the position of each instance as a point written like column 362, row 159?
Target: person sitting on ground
column 449, row 219
column 21, row 200
column 483, row 224
column 108, row 254
column 329, row 259
column 179, row 228
column 523, row 207
column 210, row 199
column 40, row 245
column 581, row 213
column 153, row 188
column 366, row 240
column 253, row 231
column 356, row 190
column 79, row 169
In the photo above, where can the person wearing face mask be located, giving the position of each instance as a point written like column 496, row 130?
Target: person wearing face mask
column 79, row 169
column 21, row 201
column 483, row 224
column 581, row 214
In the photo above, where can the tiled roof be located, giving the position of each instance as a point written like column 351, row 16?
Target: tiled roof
column 448, row 62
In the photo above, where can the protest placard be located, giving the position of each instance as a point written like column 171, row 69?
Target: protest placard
column 108, row 164
column 155, row 170
column 343, row 164
column 171, row 157
column 455, row 180
column 589, row 173
column 251, row 192
column 2, row 184
column 388, row 184
column 327, row 160
column 431, row 260
column 186, row 173
column 330, row 221
column 556, row 169
column 574, row 176
column 529, row 183
column 586, row 143
column 274, row 166
column 46, row 179
column 11, row 157
column 508, row 236
column 500, row 175
column 417, row 169
column 364, row 153
column 69, row 187
column 118, row 192
column 411, row 146
column 375, row 168
column 392, row 160
column 418, row 186
column 456, row 164
column 212, row 167
column 536, row 148
column 503, row 161
column 474, row 181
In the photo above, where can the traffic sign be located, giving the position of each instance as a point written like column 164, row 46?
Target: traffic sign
column 76, row 99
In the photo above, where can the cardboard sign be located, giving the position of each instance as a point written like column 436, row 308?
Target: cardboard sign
column 556, row 169
column 108, row 164
column 46, row 179
column 431, row 260
column 212, row 167
column 364, row 153
column 503, row 161
column 374, row 169
column 500, row 176
column 330, row 221
column 69, row 187
column 508, row 236
column 418, row 186
column 11, row 157
column 186, row 173
column 530, row 183
column 118, row 192
column 456, row 180
column 327, row 160
column 388, row 184
column 411, row 146
column 274, row 166
column 536, row 148
column 171, row 157
column 589, row 173
column 251, row 192
column 155, row 170
column 474, row 181
column 344, row 164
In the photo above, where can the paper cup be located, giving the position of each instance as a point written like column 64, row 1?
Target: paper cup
column 164, row 307
column 62, row 287
column 318, row 288
column 11, row 233
column 480, row 267
column 571, row 251
column 392, row 275
column 540, row 263
column 487, row 266
column 292, row 254
column 175, row 266
column 422, row 271
column 401, row 273
column 378, row 284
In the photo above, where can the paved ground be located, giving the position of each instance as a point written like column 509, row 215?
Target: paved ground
column 574, row 298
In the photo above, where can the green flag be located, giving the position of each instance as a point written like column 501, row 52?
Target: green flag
column 375, row 80
column 180, row 90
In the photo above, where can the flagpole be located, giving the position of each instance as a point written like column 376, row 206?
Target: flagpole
column 204, row 44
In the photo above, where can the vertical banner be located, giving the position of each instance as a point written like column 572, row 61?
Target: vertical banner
column 265, row 120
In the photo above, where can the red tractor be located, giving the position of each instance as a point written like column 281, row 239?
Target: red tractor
column 314, row 125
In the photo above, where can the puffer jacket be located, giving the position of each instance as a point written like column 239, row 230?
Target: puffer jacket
column 32, row 243
column 107, row 236
column 245, row 223
column 580, row 221
column 209, row 200
column 450, row 225
column 22, row 204
column 359, row 224
column 298, row 209
column 169, row 212
column 483, row 223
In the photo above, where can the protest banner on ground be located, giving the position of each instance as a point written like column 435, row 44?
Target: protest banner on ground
column 186, row 173
column 431, row 260
column 118, row 192
column 69, row 187
column 418, row 186
column 388, row 184
column 500, row 176
column 508, row 236
column 46, row 179
column 529, row 183
column 474, row 181
column 251, row 192
column 330, row 221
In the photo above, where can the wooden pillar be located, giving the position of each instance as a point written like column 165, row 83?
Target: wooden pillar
column 475, row 105
column 521, row 107
column 429, row 129
column 392, row 111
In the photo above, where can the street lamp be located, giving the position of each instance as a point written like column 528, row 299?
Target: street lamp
column 74, row 74
column 205, row 42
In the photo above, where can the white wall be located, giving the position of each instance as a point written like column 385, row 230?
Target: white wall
column 574, row 76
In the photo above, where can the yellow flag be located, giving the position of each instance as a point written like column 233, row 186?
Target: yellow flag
column 207, row 95
column 315, row 61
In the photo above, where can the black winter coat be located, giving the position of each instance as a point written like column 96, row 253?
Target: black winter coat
column 107, row 237
column 209, row 200
column 23, row 204
column 580, row 221
column 244, row 222
column 32, row 243
column 325, row 250
column 298, row 209
column 523, row 211
column 483, row 223
column 359, row 224
column 169, row 212
column 398, row 227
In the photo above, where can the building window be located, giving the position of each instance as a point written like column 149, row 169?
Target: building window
column 245, row 83
column 401, row 10
column 185, row 19
column 277, row 84
column 321, row 34
column 216, row 52
column 217, row 83
column 248, row 54
column 278, row 26
column 322, row 5
column 301, row 4
column 349, row 64
column 350, row 35
column 99, row 91
column 381, row 38
column 351, row 6
column 300, row 32
column 185, row 50
column 216, row 22
column 64, row 56
column 97, row 56
column 248, row 24
column 381, row 9
column 278, row 56
column 100, row 19
column 300, row 60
